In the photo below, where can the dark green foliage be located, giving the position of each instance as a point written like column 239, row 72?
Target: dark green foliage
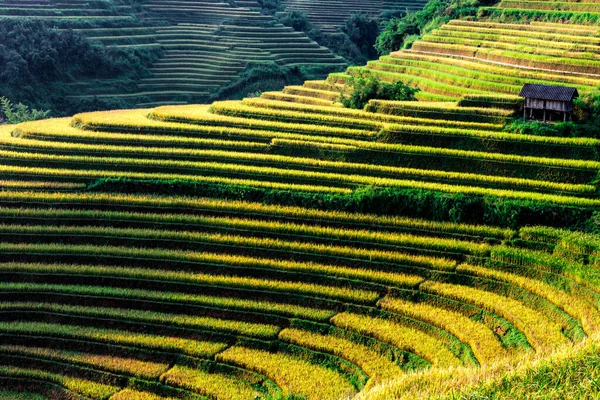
column 363, row 32
column 36, row 60
column 587, row 107
column 415, row 203
column 17, row 113
column 364, row 86
column 270, row 6
column 398, row 31
column 562, row 129
column 298, row 21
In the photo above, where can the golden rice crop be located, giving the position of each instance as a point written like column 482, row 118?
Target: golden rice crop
column 409, row 124
column 255, row 209
column 308, row 232
column 575, row 270
column 240, row 109
column 119, row 365
column 377, row 366
column 290, row 310
column 572, row 304
column 528, row 258
column 312, row 145
column 483, row 342
column 499, row 136
column 50, row 173
column 572, row 241
column 295, row 98
column 212, row 385
column 227, row 162
column 543, row 333
column 93, row 390
column 20, row 185
column 131, row 394
column 293, row 375
column 498, row 70
column 61, row 129
column 241, row 241
column 196, row 348
column 136, row 121
column 341, row 293
column 442, row 107
column 360, row 114
column 405, row 338
column 234, row 327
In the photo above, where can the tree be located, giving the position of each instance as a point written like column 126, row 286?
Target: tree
column 364, row 86
column 363, row 32
column 17, row 113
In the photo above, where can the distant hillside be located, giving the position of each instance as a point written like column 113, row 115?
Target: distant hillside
column 205, row 46
column 330, row 15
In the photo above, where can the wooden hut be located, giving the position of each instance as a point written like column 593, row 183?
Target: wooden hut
column 549, row 99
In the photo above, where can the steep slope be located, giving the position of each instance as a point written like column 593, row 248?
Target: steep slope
column 225, row 298
column 206, row 45
column 330, row 15
column 486, row 56
column 285, row 245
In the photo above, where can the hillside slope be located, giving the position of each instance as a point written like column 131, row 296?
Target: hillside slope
column 205, row 45
column 330, row 15
column 285, row 247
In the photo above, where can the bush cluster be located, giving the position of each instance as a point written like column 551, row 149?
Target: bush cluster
column 364, row 86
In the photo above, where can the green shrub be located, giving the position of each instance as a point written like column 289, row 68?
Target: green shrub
column 364, row 86
column 17, row 113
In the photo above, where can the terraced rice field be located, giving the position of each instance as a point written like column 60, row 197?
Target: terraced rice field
column 205, row 45
column 145, row 296
column 331, row 15
column 486, row 55
column 131, row 290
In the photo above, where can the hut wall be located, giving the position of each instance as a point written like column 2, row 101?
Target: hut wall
column 558, row 105
column 534, row 103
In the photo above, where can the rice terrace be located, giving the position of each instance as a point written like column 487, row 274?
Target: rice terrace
column 299, row 200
